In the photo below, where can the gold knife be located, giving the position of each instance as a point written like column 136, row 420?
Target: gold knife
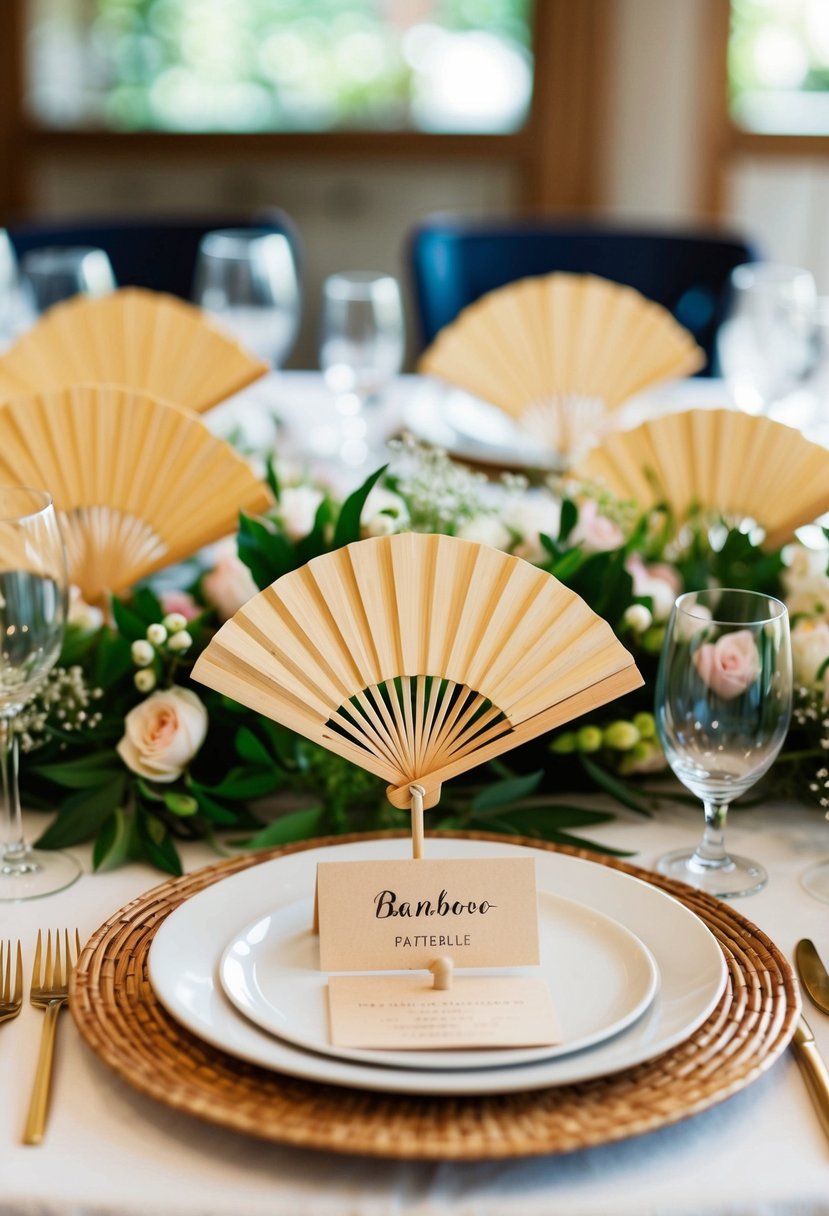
column 814, row 1071
column 812, row 973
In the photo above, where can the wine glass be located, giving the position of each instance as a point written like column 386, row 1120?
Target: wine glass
column 57, row 272
column 723, row 704
column 362, row 343
column 33, row 602
column 768, row 343
column 247, row 279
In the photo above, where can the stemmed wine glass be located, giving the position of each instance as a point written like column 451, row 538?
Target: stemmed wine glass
column 362, row 344
column 247, row 279
column 723, row 704
column 33, row 602
column 58, row 272
column 768, row 342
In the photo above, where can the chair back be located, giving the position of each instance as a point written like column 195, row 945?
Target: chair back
column 455, row 261
column 156, row 253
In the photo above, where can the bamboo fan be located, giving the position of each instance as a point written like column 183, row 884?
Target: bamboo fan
column 134, row 337
column 559, row 351
column 417, row 657
column 138, row 483
column 717, row 460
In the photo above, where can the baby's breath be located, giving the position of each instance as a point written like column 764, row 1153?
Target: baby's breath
column 64, row 703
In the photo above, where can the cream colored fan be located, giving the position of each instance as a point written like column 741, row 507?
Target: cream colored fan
column 717, row 460
column 559, row 351
column 417, row 656
column 138, row 483
column 133, row 337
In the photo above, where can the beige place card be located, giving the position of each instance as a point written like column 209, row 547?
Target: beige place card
column 393, row 915
column 404, row 1012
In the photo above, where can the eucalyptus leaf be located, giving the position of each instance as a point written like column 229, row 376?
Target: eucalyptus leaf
column 504, row 792
column 98, row 768
column 298, row 825
column 113, row 842
column 82, row 815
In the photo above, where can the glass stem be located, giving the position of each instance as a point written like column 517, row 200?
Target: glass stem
column 12, row 845
column 711, row 850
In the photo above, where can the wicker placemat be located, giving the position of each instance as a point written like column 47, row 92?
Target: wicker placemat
column 120, row 1017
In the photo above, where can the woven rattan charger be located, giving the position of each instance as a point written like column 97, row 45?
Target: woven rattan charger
column 120, row 1017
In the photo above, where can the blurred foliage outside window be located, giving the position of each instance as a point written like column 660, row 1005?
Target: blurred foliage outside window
column 778, row 66
column 280, row 65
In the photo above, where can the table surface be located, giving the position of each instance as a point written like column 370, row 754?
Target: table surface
column 108, row 1149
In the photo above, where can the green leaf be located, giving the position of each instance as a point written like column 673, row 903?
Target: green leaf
column 112, row 844
column 129, row 623
column 298, row 825
column 580, row 842
column 112, row 659
column 214, row 811
column 264, row 550
column 243, row 783
column 503, row 792
column 250, row 748
column 82, row 815
column 567, row 565
column 157, row 845
column 147, row 604
column 614, row 786
column 348, row 521
column 180, row 804
column 568, row 520
column 99, row 768
column 272, row 478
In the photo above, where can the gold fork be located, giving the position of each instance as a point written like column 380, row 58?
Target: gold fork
column 50, row 991
column 11, row 999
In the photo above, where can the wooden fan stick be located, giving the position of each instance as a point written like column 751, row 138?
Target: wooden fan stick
column 418, row 793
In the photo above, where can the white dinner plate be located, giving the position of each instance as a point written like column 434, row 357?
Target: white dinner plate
column 600, row 975
column 184, row 968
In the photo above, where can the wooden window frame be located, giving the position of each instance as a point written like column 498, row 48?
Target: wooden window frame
column 724, row 140
column 555, row 154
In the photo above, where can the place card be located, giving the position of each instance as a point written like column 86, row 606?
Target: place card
column 393, row 915
column 404, row 1012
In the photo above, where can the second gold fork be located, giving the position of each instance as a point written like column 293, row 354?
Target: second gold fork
column 49, row 991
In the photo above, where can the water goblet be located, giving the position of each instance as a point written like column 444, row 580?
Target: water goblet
column 33, row 602
column 248, row 280
column 58, row 272
column 768, row 342
column 362, row 344
column 723, row 705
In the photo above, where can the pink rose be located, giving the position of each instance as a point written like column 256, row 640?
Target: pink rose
column 656, row 580
column 595, row 532
column 229, row 585
column 179, row 601
column 729, row 665
column 163, row 734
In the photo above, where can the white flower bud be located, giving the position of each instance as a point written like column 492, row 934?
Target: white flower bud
column 142, row 653
column 180, row 641
column 144, row 680
column 637, row 618
column 156, row 634
column 174, row 622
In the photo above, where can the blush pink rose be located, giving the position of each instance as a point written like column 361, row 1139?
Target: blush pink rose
column 163, row 734
column 229, row 585
column 179, row 601
column 729, row 665
column 595, row 532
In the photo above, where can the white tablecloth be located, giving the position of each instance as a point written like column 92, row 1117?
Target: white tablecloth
column 108, row 1149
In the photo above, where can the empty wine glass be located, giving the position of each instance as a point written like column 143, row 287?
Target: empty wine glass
column 247, row 279
column 767, row 345
column 56, row 273
column 362, row 343
column 723, row 704
column 33, row 599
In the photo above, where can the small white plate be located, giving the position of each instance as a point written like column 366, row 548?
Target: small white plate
column 600, row 975
column 184, row 968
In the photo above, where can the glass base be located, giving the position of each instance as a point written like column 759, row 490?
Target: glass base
column 816, row 881
column 734, row 877
column 35, row 873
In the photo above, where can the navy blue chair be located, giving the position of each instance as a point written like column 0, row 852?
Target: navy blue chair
column 455, row 261
column 156, row 253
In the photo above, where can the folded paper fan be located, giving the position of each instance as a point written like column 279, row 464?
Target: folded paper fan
column 559, row 351
column 138, row 483
column 134, row 337
column 716, row 460
column 418, row 656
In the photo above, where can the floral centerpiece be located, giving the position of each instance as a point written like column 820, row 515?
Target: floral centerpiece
column 137, row 758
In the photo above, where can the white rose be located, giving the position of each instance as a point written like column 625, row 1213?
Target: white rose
column 297, row 510
column 806, row 581
column 486, row 530
column 163, row 734
column 810, row 650
column 384, row 513
column 529, row 517
column 84, row 615
column 229, row 585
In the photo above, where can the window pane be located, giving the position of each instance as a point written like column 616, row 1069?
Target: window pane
column 778, row 66
column 280, row 65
